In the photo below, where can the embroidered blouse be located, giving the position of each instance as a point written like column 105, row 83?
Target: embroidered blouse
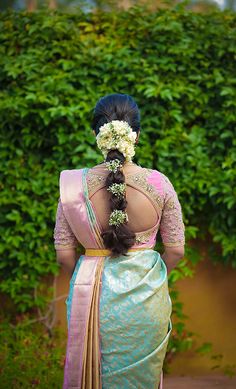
column 172, row 227
column 160, row 191
column 64, row 237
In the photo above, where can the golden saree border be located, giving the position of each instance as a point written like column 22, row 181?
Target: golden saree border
column 161, row 381
column 91, row 374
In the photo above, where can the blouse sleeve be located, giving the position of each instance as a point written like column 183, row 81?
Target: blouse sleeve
column 172, row 228
column 64, row 237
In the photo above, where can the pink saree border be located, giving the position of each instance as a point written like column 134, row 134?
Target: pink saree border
column 76, row 205
column 81, row 302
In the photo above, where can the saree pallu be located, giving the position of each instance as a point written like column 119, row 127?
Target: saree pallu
column 118, row 309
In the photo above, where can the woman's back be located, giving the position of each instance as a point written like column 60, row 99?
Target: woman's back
column 152, row 202
column 134, row 299
column 152, row 205
column 141, row 211
column 118, row 307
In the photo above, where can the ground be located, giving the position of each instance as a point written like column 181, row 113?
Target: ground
column 202, row 382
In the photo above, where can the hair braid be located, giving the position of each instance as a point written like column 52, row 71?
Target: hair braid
column 117, row 238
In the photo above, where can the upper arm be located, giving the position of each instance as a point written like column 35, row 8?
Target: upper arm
column 64, row 238
column 172, row 227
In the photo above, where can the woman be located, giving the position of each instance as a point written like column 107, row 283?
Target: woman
column 118, row 307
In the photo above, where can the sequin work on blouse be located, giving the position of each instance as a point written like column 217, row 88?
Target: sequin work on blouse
column 172, row 228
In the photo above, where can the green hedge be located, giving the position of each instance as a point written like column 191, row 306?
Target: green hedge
column 30, row 357
column 179, row 66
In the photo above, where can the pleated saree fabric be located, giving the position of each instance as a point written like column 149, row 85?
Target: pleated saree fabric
column 118, row 309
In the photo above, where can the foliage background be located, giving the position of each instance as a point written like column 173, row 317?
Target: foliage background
column 30, row 357
column 180, row 68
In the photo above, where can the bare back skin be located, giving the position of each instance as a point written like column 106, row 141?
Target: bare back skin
column 141, row 210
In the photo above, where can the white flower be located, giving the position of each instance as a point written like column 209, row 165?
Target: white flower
column 118, row 217
column 117, row 135
column 117, row 189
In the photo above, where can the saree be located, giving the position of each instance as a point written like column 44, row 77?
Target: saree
column 118, row 309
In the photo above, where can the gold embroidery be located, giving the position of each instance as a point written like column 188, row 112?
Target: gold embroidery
column 138, row 180
column 65, row 247
column 174, row 244
column 143, row 237
column 170, row 204
column 94, row 181
column 172, row 227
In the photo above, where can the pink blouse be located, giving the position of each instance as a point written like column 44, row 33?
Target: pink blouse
column 172, row 228
column 159, row 189
column 64, row 237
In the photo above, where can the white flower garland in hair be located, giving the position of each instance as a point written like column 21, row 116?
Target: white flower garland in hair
column 117, row 135
column 117, row 190
column 118, row 217
column 113, row 165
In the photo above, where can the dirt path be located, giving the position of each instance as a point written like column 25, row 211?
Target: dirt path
column 202, row 382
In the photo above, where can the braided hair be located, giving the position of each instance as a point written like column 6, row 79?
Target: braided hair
column 117, row 238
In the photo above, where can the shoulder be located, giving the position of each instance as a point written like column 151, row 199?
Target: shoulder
column 161, row 181
column 68, row 173
column 69, row 176
column 70, row 183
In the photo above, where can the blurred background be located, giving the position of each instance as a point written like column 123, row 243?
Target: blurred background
column 197, row 5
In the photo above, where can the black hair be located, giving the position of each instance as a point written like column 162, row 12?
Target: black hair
column 117, row 106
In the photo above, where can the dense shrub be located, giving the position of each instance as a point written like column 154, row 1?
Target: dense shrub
column 180, row 68
column 30, row 357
